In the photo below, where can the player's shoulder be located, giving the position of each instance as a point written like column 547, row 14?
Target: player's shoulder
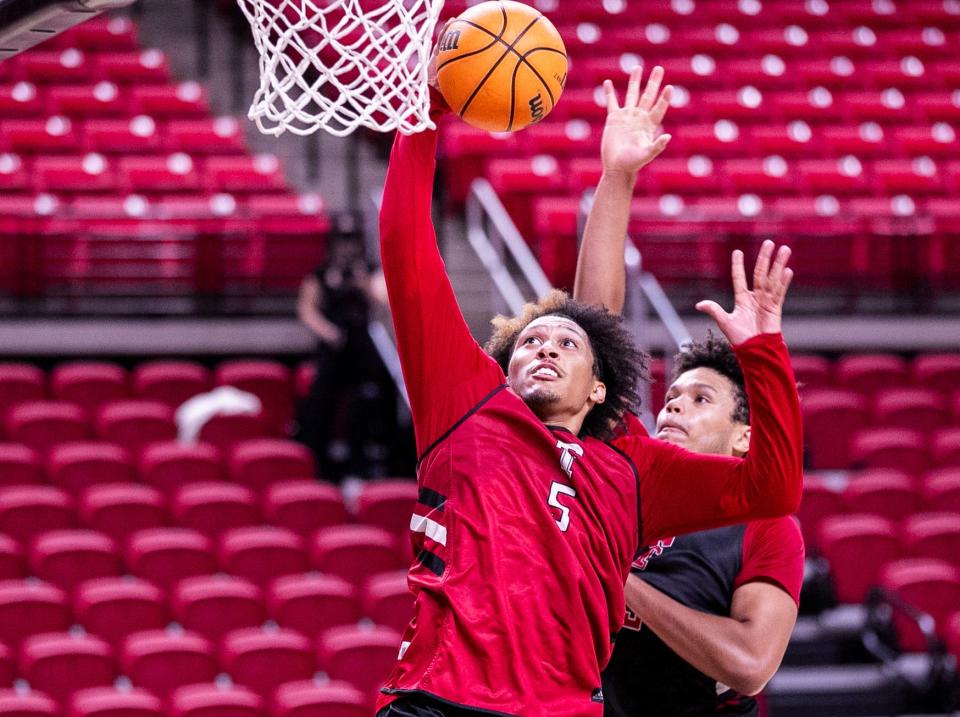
column 783, row 531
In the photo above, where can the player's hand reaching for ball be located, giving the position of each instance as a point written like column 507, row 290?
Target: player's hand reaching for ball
column 630, row 138
column 756, row 311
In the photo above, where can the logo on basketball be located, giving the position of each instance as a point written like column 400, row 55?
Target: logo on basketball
column 536, row 108
column 450, row 41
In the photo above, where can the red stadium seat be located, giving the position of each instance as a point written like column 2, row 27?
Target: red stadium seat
column 166, row 555
column 8, row 669
column 21, row 99
column 73, row 173
column 303, row 378
column 29, row 607
column 267, row 380
column 303, row 506
column 214, row 605
column 361, row 656
column 19, row 465
column 149, row 173
column 136, row 67
column 264, row 659
column 388, row 504
column 820, row 500
column 355, row 552
column 306, row 698
column 812, row 371
column 387, row 600
column 940, row 372
column 243, row 173
column 890, row 494
column 61, row 663
column 262, row 553
column 920, row 175
column 126, row 135
column 898, row 448
column 42, row 424
column 66, row 558
column 28, row 510
column 40, row 135
column 213, row 508
column 832, row 176
column 209, row 135
column 170, row 465
column 794, row 140
column 89, row 384
column 121, row 509
column 952, row 632
column 113, row 607
column 933, row 535
column 188, row 99
column 941, row 490
column 103, row 99
column 830, row 418
column 864, row 140
column 868, row 373
column 215, row 701
column 100, row 34
column 917, row 408
column 845, row 540
column 77, row 466
column 111, row 702
column 11, row 558
column 135, row 423
column 927, row 140
column 171, row 382
column 929, row 585
column 224, row 430
column 261, row 462
column 311, row 603
column 160, row 661
column 14, row 703
column 945, row 447
column 14, row 174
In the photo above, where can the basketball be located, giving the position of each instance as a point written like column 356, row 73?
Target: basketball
column 501, row 65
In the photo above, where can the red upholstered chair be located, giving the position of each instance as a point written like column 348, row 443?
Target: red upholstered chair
column 158, row 173
column 121, row 509
column 135, row 423
column 133, row 67
column 952, row 634
column 206, row 135
column 304, row 506
column 940, row 372
column 941, row 490
column 43, row 424
column 917, row 408
column 210, row 700
column 170, row 465
column 11, row 558
column 933, row 535
column 355, row 552
column 830, row 418
column 187, row 99
column 267, row 380
column 160, row 661
column 115, row 607
column 89, row 384
column 360, row 656
column 311, row 603
column 306, row 698
column 29, row 607
column 41, row 135
column 264, row 659
column 224, row 430
column 213, row 605
column 868, row 373
column 115, row 135
column 111, row 702
column 19, row 465
column 845, row 540
column 170, row 382
column 100, row 34
column 812, row 371
column 29, row 510
column 166, row 555
column 213, row 508
column 388, row 504
column 61, row 663
column 20, row 382
column 945, row 447
column 66, row 558
column 14, row 703
column 898, row 448
column 260, row 462
column 888, row 493
column 262, row 553
column 820, row 500
column 387, row 600
column 8, row 669
column 241, row 173
column 77, row 466
column 930, row 585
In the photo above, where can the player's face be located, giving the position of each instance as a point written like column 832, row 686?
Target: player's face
column 698, row 414
column 551, row 368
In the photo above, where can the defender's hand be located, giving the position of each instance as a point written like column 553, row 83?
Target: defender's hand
column 757, row 311
column 630, row 138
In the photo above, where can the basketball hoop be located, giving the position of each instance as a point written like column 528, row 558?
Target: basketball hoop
column 342, row 64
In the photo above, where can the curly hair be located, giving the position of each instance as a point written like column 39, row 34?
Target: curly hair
column 616, row 359
column 717, row 354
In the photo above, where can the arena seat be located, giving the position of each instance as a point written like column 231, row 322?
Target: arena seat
column 941, row 489
column 845, row 540
column 262, row 553
column 897, row 448
column 933, row 535
column 303, row 506
column 166, row 555
column 54, row 134
column 121, row 509
column 388, row 504
column 111, row 702
column 355, row 552
column 915, row 408
column 264, row 659
column 61, row 663
column 19, row 465
column 135, row 423
column 7, row 667
column 929, row 585
column 89, row 383
column 214, row 605
column 311, row 603
column 210, row 700
column 306, row 698
column 830, row 418
column 945, row 447
column 267, row 380
column 32, row 704
column 360, row 656
column 952, row 632
column 169, row 101
column 42, row 424
column 387, row 600
column 171, row 382
column 91, row 172
column 30, row 607
column 77, row 466
column 170, row 465
column 119, row 136
column 66, row 558
column 132, row 67
column 161, row 661
column 29, row 510
column 223, row 430
column 11, row 559
column 257, row 463
column 888, row 493
column 114, row 607
column 213, row 508
column 208, row 135
column 869, row 373
column 940, row 372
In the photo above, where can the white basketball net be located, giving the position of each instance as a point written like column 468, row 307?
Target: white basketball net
column 342, row 64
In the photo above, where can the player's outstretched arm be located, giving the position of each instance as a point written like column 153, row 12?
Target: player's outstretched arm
column 683, row 492
column 629, row 143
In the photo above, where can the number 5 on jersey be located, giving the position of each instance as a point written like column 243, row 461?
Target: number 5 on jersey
column 556, row 490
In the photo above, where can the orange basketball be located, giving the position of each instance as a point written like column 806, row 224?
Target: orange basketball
column 501, row 65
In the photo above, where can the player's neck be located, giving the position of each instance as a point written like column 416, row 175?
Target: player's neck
column 572, row 423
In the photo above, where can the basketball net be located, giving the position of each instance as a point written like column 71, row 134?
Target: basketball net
column 342, row 64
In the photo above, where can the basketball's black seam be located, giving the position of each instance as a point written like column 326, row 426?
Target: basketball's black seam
column 513, row 82
column 499, row 38
column 496, row 38
column 496, row 65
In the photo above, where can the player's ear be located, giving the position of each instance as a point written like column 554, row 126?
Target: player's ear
column 741, row 440
column 599, row 393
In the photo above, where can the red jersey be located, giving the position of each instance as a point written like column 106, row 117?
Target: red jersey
column 524, row 533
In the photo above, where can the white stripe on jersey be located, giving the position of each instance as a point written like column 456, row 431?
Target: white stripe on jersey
column 431, row 528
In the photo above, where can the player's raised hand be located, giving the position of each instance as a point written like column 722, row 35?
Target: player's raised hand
column 630, row 138
column 756, row 311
